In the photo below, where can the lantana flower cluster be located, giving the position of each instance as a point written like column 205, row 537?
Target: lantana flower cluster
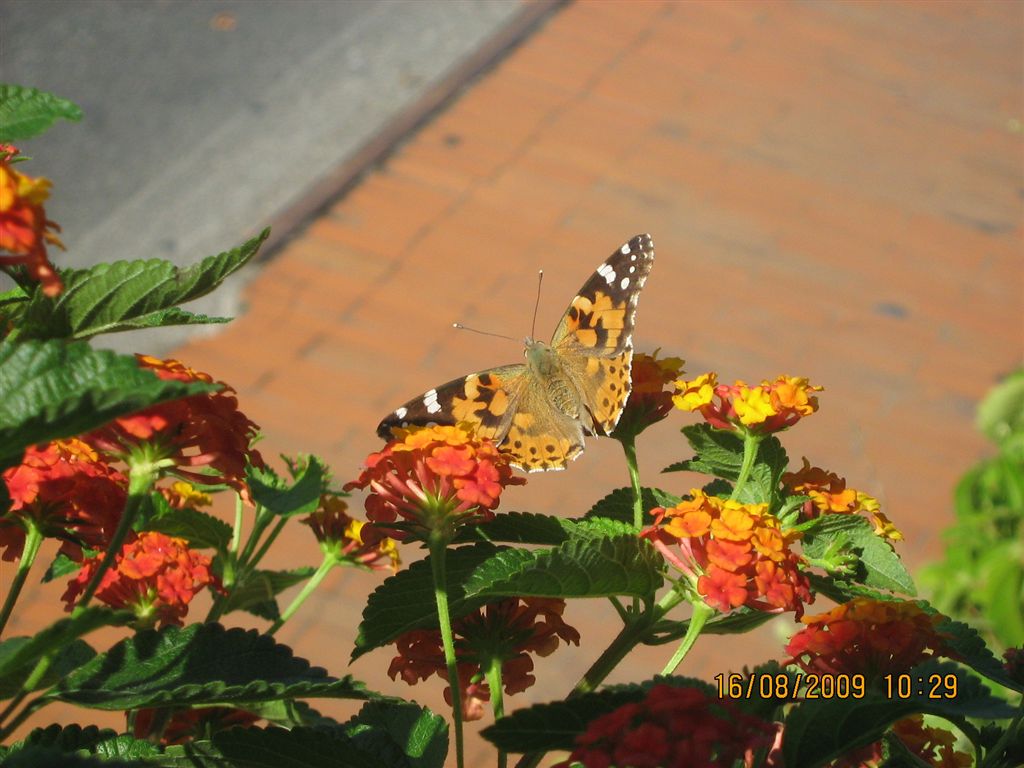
column 506, row 631
column 350, row 540
column 769, row 407
column 434, row 477
column 673, row 727
column 651, row 391
column 733, row 554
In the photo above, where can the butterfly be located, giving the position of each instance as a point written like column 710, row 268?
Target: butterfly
column 539, row 411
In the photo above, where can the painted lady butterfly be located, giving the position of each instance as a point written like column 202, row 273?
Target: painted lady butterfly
column 579, row 383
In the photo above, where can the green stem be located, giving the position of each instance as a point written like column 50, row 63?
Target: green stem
column 701, row 613
column 141, row 477
column 236, row 530
column 265, row 546
column 314, row 581
column 33, row 538
column 438, row 550
column 261, row 521
column 497, row 702
column 629, row 448
column 750, row 443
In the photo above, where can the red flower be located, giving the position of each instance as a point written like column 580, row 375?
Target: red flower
column 868, row 637
column 206, row 431
column 434, row 477
column 733, row 554
column 24, row 229
column 649, row 402
column 69, row 492
column 187, row 725
column 507, row 631
column 351, row 540
column 673, row 727
column 155, row 575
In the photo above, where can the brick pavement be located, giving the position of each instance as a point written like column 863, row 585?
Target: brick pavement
column 834, row 190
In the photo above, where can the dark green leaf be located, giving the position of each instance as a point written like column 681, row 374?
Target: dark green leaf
column 971, row 650
column 201, row 664
column 121, row 295
column 879, row 565
column 284, row 499
column 584, row 567
column 618, row 505
column 261, row 586
column 51, row 757
column 406, row 601
column 125, row 747
column 66, row 738
column 27, row 112
column 400, row 735
column 52, row 390
column 202, row 531
column 519, row 528
column 61, row 566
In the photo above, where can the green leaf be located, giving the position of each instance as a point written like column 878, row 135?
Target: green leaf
column 27, row 112
column 879, row 565
column 584, row 567
column 618, row 505
column 201, row 664
column 126, row 747
column 817, row 731
column 272, row 748
column 263, row 586
column 50, row 757
column 61, row 566
column 406, row 600
column 18, row 655
column 66, row 738
column 1001, row 413
column 52, row 390
column 122, row 295
column 971, row 650
column 519, row 528
column 400, row 735
column 288, row 500
column 1004, row 594
column 201, row 530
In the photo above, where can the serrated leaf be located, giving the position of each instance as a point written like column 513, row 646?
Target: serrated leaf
column 271, row 748
column 61, row 566
column 66, row 738
column 201, row 664
column 27, row 112
column 618, row 505
column 50, row 757
column 600, row 567
column 50, row 390
column 18, row 655
column 126, row 747
column 287, row 713
column 261, row 586
column 518, row 528
column 881, row 566
column 971, row 650
column 406, row 600
column 121, row 295
column 201, row 530
column 288, row 499
column 400, row 735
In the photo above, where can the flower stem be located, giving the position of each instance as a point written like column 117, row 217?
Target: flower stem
column 629, row 448
column 314, row 581
column 701, row 613
column 141, row 477
column 33, row 538
column 497, row 702
column 265, row 546
column 438, row 550
column 751, row 442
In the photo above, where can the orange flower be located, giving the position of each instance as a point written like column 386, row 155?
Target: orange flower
column 351, row 540
column 868, row 637
column 673, row 727
column 507, row 630
column 829, row 495
column 649, row 402
column 436, row 478
column 770, row 407
column 24, row 228
column 69, row 492
column 156, row 576
column 205, row 431
column 733, row 554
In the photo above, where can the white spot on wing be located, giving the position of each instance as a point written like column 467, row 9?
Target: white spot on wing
column 430, row 401
column 632, row 270
column 606, row 271
column 400, row 412
column 624, row 249
column 624, row 283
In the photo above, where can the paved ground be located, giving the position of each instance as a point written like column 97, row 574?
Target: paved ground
column 834, row 190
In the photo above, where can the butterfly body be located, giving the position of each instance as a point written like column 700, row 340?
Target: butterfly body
column 540, row 410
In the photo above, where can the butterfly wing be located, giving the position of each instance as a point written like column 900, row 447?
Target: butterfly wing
column 594, row 338
column 487, row 400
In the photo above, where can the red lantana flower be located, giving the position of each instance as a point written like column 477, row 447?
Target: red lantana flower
column 830, row 496
column 351, row 540
column 649, row 400
column 867, row 637
column 24, row 229
column 204, row 431
column 769, row 407
column 187, row 725
column 69, row 492
column 156, row 576
column 507, row 631
column 434, row 477
column 673, row 727
column 733, row 554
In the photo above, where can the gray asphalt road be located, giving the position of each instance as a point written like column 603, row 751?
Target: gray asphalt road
column 204, row 119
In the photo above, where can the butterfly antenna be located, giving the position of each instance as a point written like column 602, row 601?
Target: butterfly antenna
column 536, row 305
column 461, row 327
